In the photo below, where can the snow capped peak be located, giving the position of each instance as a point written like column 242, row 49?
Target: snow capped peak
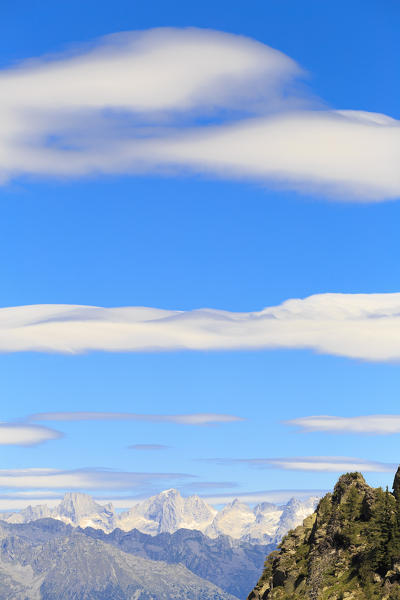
column 30, row 513
column 81, row 510
column 264, row 508
column 75, row 505
column 169, row 511
column 238, row 505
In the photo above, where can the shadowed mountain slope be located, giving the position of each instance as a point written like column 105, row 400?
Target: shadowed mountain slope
column 75, row 566
column 232, row 565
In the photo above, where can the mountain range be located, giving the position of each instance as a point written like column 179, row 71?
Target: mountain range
column 48, row 560
column 165, row 547
column 233, row 566
column 168, row 512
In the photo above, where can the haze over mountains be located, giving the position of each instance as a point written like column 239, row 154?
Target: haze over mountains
column 168, row 512
column 233, row 566
column 48, row 560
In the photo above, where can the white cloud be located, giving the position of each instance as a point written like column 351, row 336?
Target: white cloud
column 20, row 500
column 326, row 464
column 341, row 153
column 95, row 107
column 82, row 479
column 21, row 434
column 200, row 419
column 364, row 424
column 274, row 496
column 163, row 69
column 130, row 104
column 362, row 326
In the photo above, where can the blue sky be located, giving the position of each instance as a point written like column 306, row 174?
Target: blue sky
column 190, row 236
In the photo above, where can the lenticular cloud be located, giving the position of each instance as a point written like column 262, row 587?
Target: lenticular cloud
column 363, row 326
column 137, row 102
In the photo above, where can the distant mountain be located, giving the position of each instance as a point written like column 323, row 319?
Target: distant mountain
column 169, row 511
column 75, row 509
column 232, row 565
column 349, row 548
column 47, row 560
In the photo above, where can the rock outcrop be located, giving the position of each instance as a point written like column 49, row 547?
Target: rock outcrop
column 349, row 549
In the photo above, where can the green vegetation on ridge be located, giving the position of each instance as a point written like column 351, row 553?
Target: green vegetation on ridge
column 349, row 549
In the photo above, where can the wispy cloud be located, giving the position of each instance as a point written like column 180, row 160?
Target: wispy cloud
column 84, row 479
column 200, row 419
column 364, row 424
column 149, row 447
column 21, row 434
column 196, row 486
column 328, row 464
column 362, row 326
column 349, row 154
column 131, row 102
column 274, row 496
column 20, row 500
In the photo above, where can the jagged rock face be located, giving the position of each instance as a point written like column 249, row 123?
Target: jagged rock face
column 81, row 509
column 74, row 566
column 349, row 549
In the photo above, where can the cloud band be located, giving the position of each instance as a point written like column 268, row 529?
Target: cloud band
column 130, row 103
column 324, row 464
column 362, row 326
column 364, row 424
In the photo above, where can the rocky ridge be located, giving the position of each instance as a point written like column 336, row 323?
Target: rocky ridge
column 232, row 565
column 348, row 549
column 53, row 561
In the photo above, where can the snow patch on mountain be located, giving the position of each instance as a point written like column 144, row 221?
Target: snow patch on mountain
column 169, row 511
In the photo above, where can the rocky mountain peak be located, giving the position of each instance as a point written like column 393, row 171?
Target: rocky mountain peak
column 76, row 505
column 347, row 482
column 349, row 548
column 169, row 511
column 236, row 504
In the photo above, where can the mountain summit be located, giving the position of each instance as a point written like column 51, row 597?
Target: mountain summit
column 348, row 549
column 168, row 512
